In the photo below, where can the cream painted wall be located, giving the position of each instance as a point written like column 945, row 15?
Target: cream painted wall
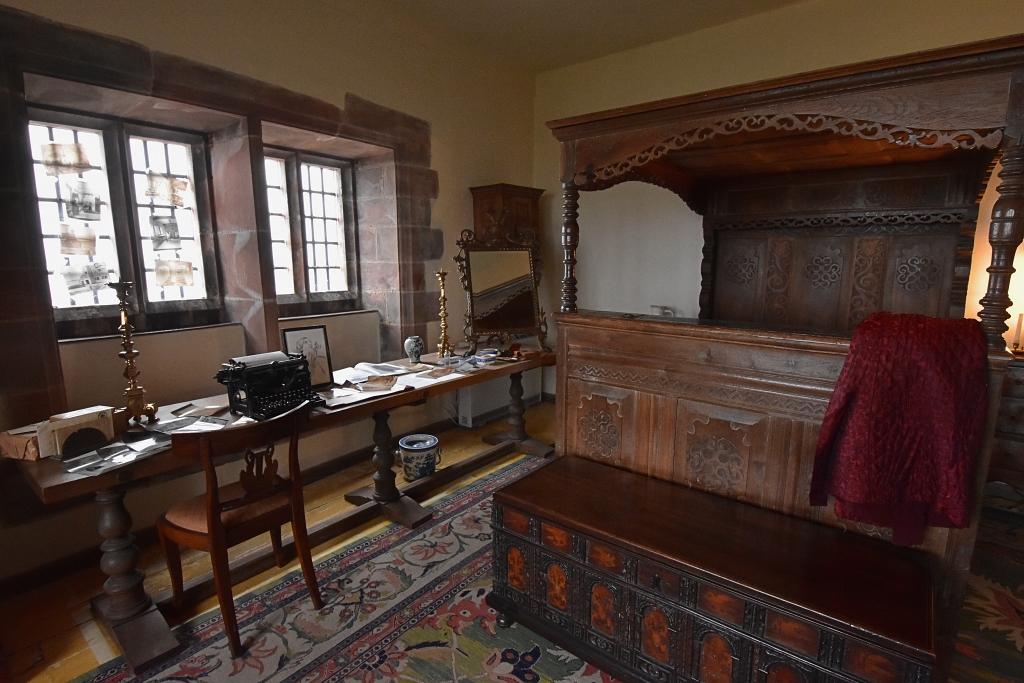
column 643, row 247
column 802, row 37
column 170, row 368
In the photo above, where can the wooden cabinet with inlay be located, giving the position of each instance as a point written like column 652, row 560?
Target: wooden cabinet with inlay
column 513, row 206
column 652, row 581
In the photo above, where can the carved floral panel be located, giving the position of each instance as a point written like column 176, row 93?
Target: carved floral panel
column 716, row 453
column 868, row 279
column 516, row 572
column 602, row 609
column 557, row 587
column 920, row 276
column 599, row 432
column 739, row 277
column 655, row 635
column 776, row 296
column 823, row 271
column 716, row 658
column 599, row 423
column 741, row 268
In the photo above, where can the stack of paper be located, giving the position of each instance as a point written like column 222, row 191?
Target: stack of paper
column 132, row 446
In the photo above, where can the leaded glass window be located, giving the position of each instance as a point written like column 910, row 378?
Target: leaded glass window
column 163, row 184
column 73, row 194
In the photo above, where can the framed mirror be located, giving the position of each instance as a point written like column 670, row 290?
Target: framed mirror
column 500, row 271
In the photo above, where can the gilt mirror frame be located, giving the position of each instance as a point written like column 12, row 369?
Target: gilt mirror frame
column 499, row 237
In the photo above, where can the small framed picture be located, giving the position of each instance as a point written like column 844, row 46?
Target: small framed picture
column 311, row 342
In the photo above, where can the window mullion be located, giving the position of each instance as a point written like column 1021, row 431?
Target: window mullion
column 302, row 285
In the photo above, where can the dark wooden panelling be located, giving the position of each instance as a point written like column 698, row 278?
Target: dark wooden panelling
column 820, row 281
column 822, row 251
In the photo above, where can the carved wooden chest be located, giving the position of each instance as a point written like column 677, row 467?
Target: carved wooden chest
column 653, row 581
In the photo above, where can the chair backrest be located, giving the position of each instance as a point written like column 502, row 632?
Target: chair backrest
column 256, row 441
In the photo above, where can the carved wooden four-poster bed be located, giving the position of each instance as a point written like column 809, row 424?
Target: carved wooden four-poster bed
column 826, row 197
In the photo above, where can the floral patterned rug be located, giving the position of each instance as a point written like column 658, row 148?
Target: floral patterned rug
column 409, row 606
column 401, row 605
column 990, row 646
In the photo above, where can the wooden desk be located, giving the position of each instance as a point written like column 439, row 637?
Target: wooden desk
column 130, row 613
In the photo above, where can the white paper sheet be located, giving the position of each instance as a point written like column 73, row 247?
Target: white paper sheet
column 420, row 380
column 383, row 369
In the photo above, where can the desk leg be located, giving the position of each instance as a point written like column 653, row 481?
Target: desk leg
column 396, row 507
column 128, row 611
column 517, row 424
column 384, row 489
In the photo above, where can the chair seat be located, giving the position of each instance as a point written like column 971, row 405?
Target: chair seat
column 191, row 514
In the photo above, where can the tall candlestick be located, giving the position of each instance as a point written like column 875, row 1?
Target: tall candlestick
column 1016, row 337
column 443, row 345
column 137, row 406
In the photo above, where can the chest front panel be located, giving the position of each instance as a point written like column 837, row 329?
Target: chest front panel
column 673, row 626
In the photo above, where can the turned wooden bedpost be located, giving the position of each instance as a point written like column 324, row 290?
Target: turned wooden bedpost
column 570, row 240
column 1004, row 234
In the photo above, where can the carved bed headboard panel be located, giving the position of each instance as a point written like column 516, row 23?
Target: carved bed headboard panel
column 823, row 251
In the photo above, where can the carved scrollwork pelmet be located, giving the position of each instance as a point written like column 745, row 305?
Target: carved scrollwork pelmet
column 813, row 123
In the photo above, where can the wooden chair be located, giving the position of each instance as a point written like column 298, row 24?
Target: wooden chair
column 260, row 501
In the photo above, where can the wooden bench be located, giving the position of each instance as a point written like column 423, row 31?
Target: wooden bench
column 653, row 581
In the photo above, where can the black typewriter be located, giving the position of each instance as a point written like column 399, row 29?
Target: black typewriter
column 267, row 384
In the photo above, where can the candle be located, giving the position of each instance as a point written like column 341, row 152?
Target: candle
column 1016, row 337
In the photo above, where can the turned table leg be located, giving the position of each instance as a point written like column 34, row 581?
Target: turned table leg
column 517, row 423
column 384, row 489
column 126, row 595
column 128, row 611
column 396, row 507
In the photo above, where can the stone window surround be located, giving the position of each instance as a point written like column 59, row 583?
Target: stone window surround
column 395, row 188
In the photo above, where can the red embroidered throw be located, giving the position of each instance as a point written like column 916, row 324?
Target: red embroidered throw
column 901, row 435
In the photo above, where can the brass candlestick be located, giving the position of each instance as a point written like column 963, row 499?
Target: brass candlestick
column 443, row 345
column 137, row 406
